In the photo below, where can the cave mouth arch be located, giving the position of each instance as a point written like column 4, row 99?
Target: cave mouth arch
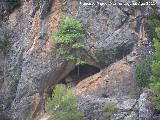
column 79, row 73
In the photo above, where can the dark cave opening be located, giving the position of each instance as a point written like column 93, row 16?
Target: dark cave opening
column 79, row 73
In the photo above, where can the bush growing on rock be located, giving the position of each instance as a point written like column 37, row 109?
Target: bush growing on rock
column 153, row 21
column 63, row 105
column 15, row 78
column 68, row 39
column 109, row 109
column 145, row 68
column 155, row 66
column 29, row 117
column 143, row 73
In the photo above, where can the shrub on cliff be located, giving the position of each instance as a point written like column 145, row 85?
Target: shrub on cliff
column 155, row 66
column 108, row 110
column 63, row 105
column 153, row 21
column 29, row 116
column 68, row 39
column 143, row 73
column 15, row 78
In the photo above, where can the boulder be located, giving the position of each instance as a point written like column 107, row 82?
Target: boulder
column 146, row 110
column 127, row 104
column 119, row 116
column 132, row 116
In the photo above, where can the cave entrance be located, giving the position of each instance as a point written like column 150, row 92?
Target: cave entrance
column 79, row 73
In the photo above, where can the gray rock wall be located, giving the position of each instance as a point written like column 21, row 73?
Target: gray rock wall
column 109, row 36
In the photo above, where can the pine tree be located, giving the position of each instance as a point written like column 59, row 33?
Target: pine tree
column 68, row 39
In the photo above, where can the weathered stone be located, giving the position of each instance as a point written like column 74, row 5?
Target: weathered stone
column 121, row 46
column 92, row 106
column 108, row 38
column 145, row 106
column 129, row 10
column 7, row 6
column 127, row 105
column 119, row 116
column 132, row 116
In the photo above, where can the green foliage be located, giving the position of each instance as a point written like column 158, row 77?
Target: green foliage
column 143, row 73
column 155, row 66
column 109, row 109
column 80, row 62
column 29, row 117
column 15, row 78
column 153, row 21
column 77, row 46
column 156, row 99
column 68, row 38
column 63, row 105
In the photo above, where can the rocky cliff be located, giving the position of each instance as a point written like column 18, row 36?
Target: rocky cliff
column 111, row 34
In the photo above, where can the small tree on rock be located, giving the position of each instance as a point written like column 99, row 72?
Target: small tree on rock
column 63, row 105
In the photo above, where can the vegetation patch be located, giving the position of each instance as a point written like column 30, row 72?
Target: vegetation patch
column 15, row 78
column 153, row 21
column 68, row 39
column 143, row 73
column 109, row 109
column 29, row 117
column 155, row 66
column 63, row 105
column 151, row 69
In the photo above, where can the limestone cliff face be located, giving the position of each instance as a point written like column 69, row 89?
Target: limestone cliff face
column 110, row 35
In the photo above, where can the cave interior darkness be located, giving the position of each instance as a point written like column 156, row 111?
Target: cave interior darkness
column 81, row 72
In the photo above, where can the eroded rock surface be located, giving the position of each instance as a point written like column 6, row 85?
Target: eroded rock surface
column 110, row 35
column 146, row 110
